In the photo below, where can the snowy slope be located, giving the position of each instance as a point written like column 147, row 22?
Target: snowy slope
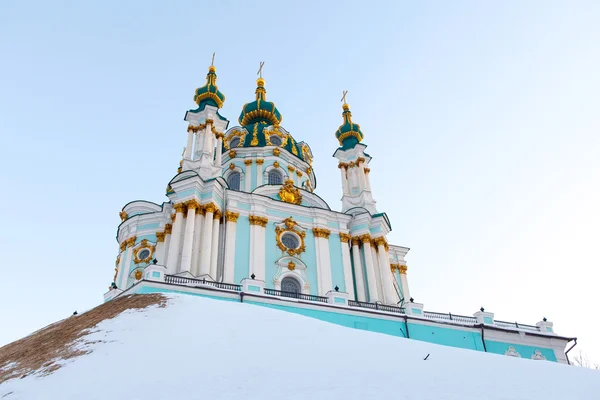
column 198, row 348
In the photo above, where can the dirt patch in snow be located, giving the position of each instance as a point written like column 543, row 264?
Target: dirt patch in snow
column 43, row 350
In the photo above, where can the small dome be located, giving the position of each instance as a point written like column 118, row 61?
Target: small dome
column 348, row 133
column 260, row 110
column 209, row 93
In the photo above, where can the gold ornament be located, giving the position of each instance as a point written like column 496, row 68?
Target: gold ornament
column 355, row 241
column 232, row 153
column 367, row 170
column 138, row 260
column 192, row 204
column 123, row 215
column 394, row 267
column 299, row 173
column 256, row 220
column 231, row 216
column 138, row 274
column 160, row 237
column 179, row 207
column 403, row 269
column 123, row 245
column 344, row 237
column 289, row 193
column 254, row 141
column 260, row 161
column 321, row 232
column 217, row 215
column 366, row 238
column 248, row 162
column 131, row 241
column 276, row 152
column 168, row 229
column 232, row 166
column 308, row 170
column 290, row 226
column 276, row 164
column 291, row 266
column 210, row 208
column 291, row 168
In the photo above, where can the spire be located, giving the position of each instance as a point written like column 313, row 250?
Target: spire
column 209, row 93
column 349, row 133
column 260, row 111
column 261, row 92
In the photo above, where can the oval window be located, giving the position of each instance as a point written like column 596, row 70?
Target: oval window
column 290, row 241
column 275, row 140
column 143, row 254
column 235, row 142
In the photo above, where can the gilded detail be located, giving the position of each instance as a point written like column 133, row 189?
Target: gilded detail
column 192, row 204
column 231, row 216
column 232, row 166
column 344, row 237
column 179, row 207
column 144, row 246
column 403, row 269
column 308, row 170
column 291, row 168
column 138, row 274
column 291, row 265
column 276, row 164
column 394, row 267
column 299, row 173
column 290, row 226
column 351, row 165
column 289, row 193
column 365, row 238
column 380, row 241
column 256, row 220
column 123, row 215
column 232, row 153
column 343, row 165
column 321, row 232
column 131, row 241
column 360, row 160
column 355, row 241
column 276, row 152
column 123, row 245
column 210, row 208
column 367, row 170
column 168, row 229
column 160, row 237
column 260, row 161
column 248, row 162
column 217, row 215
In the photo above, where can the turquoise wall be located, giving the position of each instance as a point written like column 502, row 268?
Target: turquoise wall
column 446, row 336
column 310, row 259
column 336, row 262
column 524, row 351
column 241, row 268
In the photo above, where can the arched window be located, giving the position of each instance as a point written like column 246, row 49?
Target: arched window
column 275, row 177
column 275, row 140
column 291, row 286
column 235, row 142
column 233, row 180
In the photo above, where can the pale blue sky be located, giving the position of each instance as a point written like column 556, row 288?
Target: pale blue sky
column 482, row 119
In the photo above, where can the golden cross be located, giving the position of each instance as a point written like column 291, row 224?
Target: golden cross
column 259, row 73
column 344, row 96
column 212, row 63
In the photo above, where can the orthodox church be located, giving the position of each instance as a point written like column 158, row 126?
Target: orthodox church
column 243, row 222
column 243, row 203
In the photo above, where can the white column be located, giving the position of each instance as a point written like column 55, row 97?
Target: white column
column 352, row 177
column 126, row 263
column 219, row 150
column 206, row 239
column 207, row 146
column 214, row 248
column 259, row 171
column 386, row 273
column 358, row 271
column 168, row 230
column 323, row 260
column 159, row 253
column 196, row 244
column 361, row 176
column 229, row 259
column 198, row 146
column 344, row 241
column 404, row 283
column 257, row 246
column 248, row 175
column 173, row 259
column 343, row 170
column 190, row 143
column 371, row 280
column 188, row 237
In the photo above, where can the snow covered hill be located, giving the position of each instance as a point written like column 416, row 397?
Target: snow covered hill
column 198, row 348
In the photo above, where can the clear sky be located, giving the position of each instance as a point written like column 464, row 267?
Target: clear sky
column 481, row 117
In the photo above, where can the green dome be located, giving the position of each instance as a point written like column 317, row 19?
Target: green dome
column 259, row 134
column 260, row 111
column 209, row 93
column 348, row 133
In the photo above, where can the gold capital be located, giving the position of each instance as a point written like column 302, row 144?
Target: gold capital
column 210, row 207
column 365, row 238
column 209, row 121
column 192, row 204
column 260, row 161
column 351, row 165
column 394, row 267
column 344, row 237
column 217, row 215
column 256, row 220
column 308, row 170
column 123, row 245
column 403, row 269
column 131, row 241
column 168, row 229
column 231, row 216
column 355, row 241
column 248, row 161
column 179, row 207
column 380, row 241
column 321, row 232
column 360, row 160
column 160, row 237
column 367, row 170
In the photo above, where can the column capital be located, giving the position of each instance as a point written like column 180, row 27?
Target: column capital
column 308, row 170
column 345, row 237
column 343, row 165
column 380, row 241
column 219, row 135
column 209, row 121
column 123, row 215
column 231, row 216
column 192, row 204
column 355, row 241
column 210, row 208
column 359, row 160
column 393, row 267
column 256, row 220
column 131, row 241
column 403, row 269
column 321, row 232
column 168, row 229
column 366, row 238
column 260, row 161
column 298, row 172
column 179, row 207
column 248, row 161
column 123, row 245
column 217, row 215
column 351, row 164
column 367, row 170
column 160, row 237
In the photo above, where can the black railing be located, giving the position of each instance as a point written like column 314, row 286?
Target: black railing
column 505, row 324
column 295, row 295
column 182, row 280
column 376, row 306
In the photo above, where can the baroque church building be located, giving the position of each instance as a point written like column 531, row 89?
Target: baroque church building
column 244, row 204
column 243, row 222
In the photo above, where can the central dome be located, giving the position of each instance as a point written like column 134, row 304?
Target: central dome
column 260, row 110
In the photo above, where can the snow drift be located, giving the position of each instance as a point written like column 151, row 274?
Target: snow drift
column 198, row 348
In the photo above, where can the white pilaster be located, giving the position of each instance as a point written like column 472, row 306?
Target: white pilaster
column 173, row 259
column 377, row 272
column 214, row 248
column 159, row 254
column 348, row 282
column 259, row 171
column 168, row 230
column 371, row 279
column 248, row 175
column 358, row 271
column 323, row 260
column 404, row 283
column 368, row 180
column 206, row 239
column 343, row 171
column 199, row 143
column 207, row 146
column 219, row 150
column 190, row 143
column 386, row 273
column 257, row 246
column 361, row 176
column 229, row 259
column 188, row 237
column 198, row 225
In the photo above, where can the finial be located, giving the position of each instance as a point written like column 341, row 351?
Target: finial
column 259, row 73
column 343, row 100
column 212, row 63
